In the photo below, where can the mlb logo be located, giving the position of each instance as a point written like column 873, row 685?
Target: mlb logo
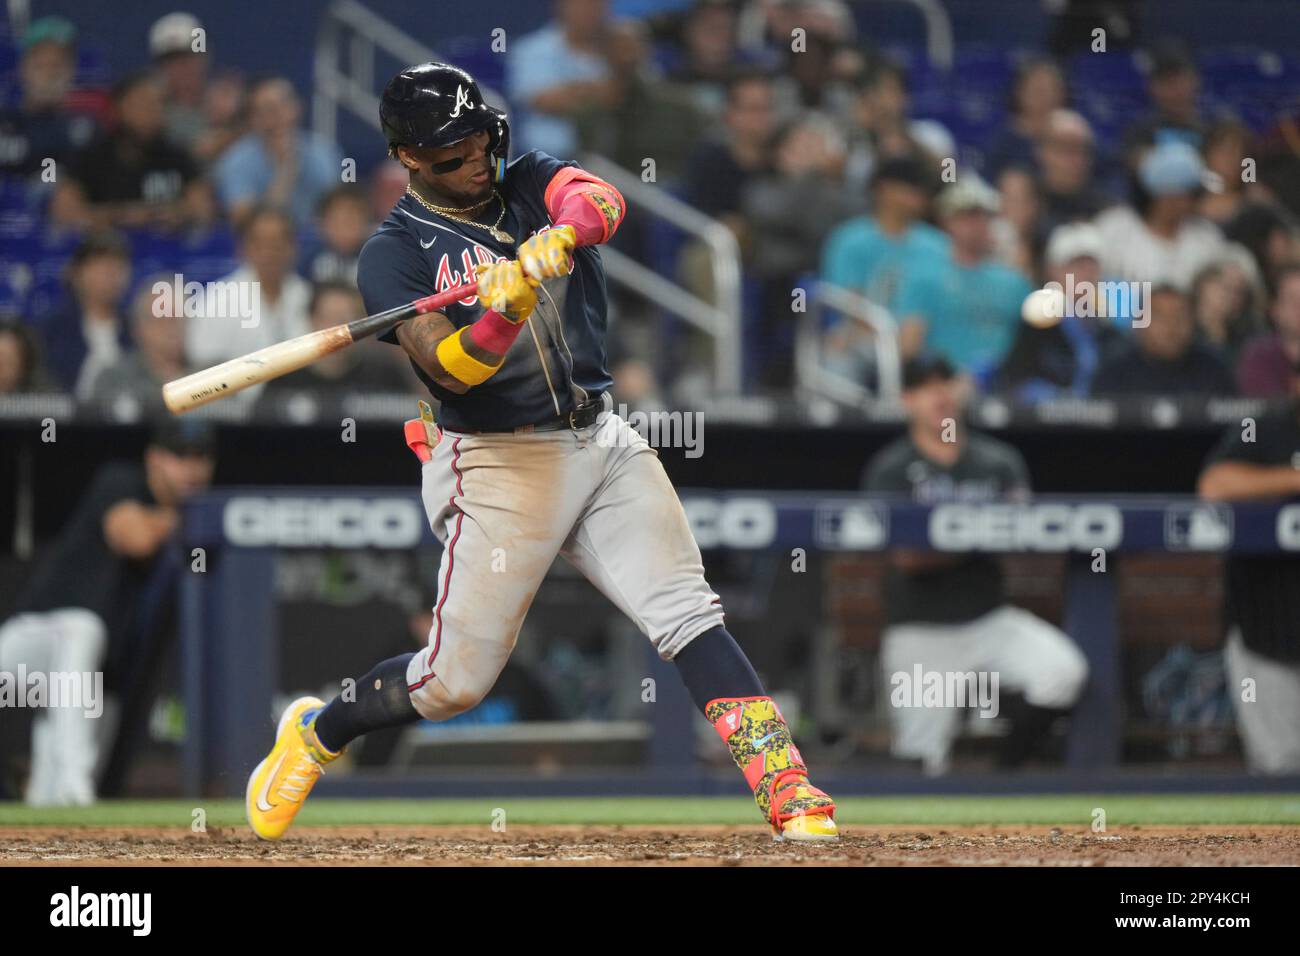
column 858, row 527
column 1199, row 527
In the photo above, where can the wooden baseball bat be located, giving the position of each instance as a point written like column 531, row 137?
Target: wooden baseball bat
column 219, row 381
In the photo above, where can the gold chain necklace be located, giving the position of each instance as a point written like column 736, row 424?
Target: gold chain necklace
column 500, row 235
column 450, row 210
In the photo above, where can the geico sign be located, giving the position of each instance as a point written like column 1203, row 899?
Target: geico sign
column 1288, row 527
column 733, row 523
column 322, row 522
column 1038, row 527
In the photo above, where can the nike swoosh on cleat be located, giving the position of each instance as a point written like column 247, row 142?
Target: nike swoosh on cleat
column 266, row 787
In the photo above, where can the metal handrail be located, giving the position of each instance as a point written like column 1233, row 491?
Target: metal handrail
column 938, row 28
column 353, row 89
column 811, row 374
column 720, row 319
column 938, row 31
column 20, row 15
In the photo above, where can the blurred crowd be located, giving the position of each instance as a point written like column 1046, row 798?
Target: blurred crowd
column 1172, row 232
column 1175, row 263
column 182, row 162
column 784, row 122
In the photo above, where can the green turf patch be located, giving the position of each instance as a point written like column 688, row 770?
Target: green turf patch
column 909, row 811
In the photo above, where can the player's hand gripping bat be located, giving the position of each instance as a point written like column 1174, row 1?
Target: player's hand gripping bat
column 233, row 376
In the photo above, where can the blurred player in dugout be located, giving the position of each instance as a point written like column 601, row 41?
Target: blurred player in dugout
column 948, row 613
column 84, row 597
column 1262, row 654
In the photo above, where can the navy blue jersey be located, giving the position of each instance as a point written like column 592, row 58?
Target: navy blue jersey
column 557, row 361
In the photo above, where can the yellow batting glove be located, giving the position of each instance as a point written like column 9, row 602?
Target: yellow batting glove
column 548, row 255
column 504, row 288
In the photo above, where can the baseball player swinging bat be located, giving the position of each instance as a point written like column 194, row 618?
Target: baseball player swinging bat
column 531, row 461
column 219, row 381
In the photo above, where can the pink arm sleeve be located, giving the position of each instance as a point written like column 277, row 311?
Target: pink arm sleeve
column 590, row 205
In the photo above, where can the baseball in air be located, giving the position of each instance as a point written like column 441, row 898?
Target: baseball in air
column 1043, row 308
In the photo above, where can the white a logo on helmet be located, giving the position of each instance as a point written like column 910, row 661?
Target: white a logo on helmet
column 462, row 101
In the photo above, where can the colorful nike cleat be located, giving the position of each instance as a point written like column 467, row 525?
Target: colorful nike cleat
column 281, row 782
column 759, row 740
column 804, row 812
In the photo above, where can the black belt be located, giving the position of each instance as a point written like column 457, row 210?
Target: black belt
column 582, row 416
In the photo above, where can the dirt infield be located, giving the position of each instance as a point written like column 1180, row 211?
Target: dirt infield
column 655, row 846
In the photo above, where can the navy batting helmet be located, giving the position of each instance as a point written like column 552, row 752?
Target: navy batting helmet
column 437, row 104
